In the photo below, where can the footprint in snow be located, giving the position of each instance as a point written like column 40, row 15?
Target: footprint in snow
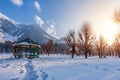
column 105, row 69
column 17, row 78
column 41, row 70
column 4, row 66
column 100, row 68
column 69, row 62
column 96, row 67
column 44, row 75
column 118, row 69
column 85, row 64
column 21, row 71
column 1, row 62
column 52, row 79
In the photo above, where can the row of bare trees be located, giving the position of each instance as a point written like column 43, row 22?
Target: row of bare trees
column 49, row 47
column 88, row 44
column 117, row 39
column 84, row 41
column 6, row 47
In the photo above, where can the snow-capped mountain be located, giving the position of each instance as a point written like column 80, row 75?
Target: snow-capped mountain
column 32, row 31
column 61, row 40
column 11, row 30
column 7, row 25
column 7, row 28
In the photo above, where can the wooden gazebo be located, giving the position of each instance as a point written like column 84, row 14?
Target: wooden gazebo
column 26, row 48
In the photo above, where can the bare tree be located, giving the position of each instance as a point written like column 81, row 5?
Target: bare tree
column 100, row 46
column 49, row 47
column 117, row 45
column 70, row 40
column 117, row 15
column 55, row 48
column 117, row 40
column 85, row 38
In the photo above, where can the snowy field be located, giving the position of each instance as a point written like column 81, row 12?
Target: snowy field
column 56, row 67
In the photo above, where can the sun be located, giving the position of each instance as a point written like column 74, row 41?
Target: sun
column 109, row 31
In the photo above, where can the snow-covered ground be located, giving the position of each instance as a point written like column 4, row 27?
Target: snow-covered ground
column 59, row 67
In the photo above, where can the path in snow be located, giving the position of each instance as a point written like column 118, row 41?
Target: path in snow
column 59, row 68
column 30, row 73
column 44, row 75
column 63, row 68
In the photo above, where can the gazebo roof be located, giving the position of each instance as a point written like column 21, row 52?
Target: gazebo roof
column 26, row 42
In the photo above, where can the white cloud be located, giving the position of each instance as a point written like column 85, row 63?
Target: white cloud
column 47, row 22
column 37, row 6
column 38, row 20
column 52, row 31
column 53, row 22
column 17, row 2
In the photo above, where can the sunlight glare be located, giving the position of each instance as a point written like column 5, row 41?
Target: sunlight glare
column 109, row 31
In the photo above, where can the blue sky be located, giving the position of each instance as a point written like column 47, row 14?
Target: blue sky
column 59, row 16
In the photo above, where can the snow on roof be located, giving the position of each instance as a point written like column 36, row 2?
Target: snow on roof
column 25, row 43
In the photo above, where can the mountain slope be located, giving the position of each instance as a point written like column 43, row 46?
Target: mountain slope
column 34, row 32
column 7, row 28
column 7, row 25
column 12, row 31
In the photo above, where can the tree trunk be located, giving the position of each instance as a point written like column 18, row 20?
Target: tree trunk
column 73, row 51
column 119, row 55
column 86, row 54
column 72, row 55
